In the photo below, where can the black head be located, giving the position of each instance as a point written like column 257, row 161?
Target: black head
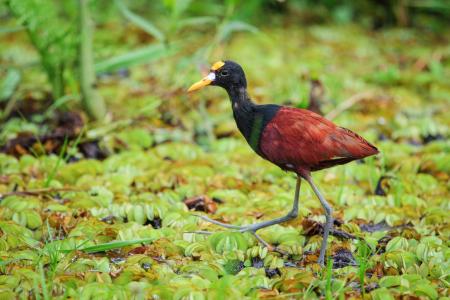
column 230, row 74
column 226, row 74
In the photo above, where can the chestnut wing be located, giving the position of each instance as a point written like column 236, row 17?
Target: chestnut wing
column 299, row 139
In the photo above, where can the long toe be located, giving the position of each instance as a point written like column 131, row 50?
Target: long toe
column 249, row 228
column 267, row 245
column 263, row 242
column 225, row 225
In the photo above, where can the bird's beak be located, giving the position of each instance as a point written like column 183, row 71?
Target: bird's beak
column 202, row 83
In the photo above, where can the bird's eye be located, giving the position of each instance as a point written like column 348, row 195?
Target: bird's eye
column 224, row 73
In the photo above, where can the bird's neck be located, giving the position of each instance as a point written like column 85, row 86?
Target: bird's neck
column 239, row 99
column 243, row 110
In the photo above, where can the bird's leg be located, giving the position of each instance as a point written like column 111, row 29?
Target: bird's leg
column 328, row 215
column 290, row 215
column 252, row 228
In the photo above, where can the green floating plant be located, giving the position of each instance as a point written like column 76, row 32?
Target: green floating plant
column 119, row 227
column 29, row 218
column 138, row 213
column 19, row 203
column 410, row 284
column 194, row 249
column 226, row 241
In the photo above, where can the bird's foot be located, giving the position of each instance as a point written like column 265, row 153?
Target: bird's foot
column 252, row 228
column 321, row 261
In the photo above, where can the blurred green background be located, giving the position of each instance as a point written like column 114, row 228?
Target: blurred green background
column 49, row 36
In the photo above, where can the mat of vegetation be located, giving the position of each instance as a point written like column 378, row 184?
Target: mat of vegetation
column 103, row 210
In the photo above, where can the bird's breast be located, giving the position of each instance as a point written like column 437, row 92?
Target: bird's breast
column 252, row 122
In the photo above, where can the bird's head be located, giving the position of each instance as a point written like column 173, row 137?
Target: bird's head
column 226, row 74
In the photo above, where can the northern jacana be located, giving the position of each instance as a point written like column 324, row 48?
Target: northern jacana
column 294, row 139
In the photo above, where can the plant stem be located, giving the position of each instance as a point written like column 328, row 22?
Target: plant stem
column 91, row 98
column 328, row 292
column 43, row 283
column 52, row 174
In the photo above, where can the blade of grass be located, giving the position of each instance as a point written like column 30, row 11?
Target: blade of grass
column 113, row 245
column 49, row 231
column 328, row 292
column 43, row 282
column 74, row 146
column 342, row 177
column 196, row 21
column 138, row 56
column 233, row 26
column 37, row 293
column 58, row 103
column 52, row 250
column 363, row 253
column 33, row 152
column 63, row 156
column 140, row 22
column 77, row 248
column 58, row 162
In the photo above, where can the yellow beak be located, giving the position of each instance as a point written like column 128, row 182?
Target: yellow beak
column 202, row 83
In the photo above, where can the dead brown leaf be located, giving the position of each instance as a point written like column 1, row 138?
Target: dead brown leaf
column 201, row 203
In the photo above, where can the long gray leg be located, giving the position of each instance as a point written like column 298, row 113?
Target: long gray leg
column 254, row 227
column 290, row 215
column 328, row 215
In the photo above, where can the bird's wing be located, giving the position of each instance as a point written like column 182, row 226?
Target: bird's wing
column 304, row 139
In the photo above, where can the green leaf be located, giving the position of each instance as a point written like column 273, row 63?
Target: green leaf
column 33, row 218
column 197, row 21
column 381, row 294
column 228, row 28
column 427, row 290
column 390, row 281
column 177, row 7
column 397, row 243
column 9, row 84
column 139, row 56
column 228, row 241
column 142, row 23
column 101, row 196
column 136, row 138
column 50, row 34
column 233, row 266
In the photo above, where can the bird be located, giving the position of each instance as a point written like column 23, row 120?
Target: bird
column 296, row 140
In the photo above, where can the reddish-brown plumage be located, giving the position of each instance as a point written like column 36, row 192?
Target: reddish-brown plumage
column 302, row 141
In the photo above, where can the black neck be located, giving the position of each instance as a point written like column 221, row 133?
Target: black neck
column 251, row 118
column 243, row 109
column 238, row 94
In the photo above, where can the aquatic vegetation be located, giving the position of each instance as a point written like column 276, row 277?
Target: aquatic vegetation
column 102, row 210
